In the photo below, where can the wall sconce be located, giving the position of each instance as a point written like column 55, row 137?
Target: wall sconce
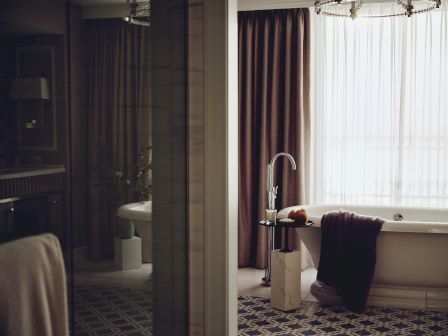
column 31, row 88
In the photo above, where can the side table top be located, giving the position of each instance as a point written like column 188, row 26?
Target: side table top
column 282, row 223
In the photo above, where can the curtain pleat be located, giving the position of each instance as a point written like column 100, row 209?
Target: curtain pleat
column 274, row 77
column 119, row 116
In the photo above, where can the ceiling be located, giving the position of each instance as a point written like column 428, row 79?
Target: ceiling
column 114, row 8
column 86, row 3
column 97, row 2
column 100, row 9
column 244, row 5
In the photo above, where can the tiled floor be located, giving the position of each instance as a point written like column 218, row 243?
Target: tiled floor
column 104, row 273
column 257, row 317
column 112, row 311
column 106, row 304
column 112, row 302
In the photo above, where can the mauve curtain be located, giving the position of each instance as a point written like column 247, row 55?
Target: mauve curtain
column 274, row 85
column 119, row 115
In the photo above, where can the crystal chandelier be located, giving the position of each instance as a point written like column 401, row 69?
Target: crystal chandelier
column 138, row 13
column 356, row 8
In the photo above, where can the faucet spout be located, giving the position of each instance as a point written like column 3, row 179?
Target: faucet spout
column 271, row 190
column 289, row 156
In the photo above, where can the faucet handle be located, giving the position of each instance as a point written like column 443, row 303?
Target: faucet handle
column 271, row 199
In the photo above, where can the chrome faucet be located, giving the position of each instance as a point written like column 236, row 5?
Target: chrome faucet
column 398, row 217
column 271, row 190
column 272, row 195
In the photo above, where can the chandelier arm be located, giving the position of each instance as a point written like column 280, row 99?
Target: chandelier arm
column 325, row 7
column 138, row 13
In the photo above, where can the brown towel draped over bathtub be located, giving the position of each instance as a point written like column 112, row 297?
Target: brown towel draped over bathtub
column 348, row 255
column 33, row 296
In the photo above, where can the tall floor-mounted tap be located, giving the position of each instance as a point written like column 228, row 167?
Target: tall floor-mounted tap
column 271, row 190
column 271, row 212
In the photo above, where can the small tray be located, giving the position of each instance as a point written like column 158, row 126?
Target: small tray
column 266, row 223
column 292, row 225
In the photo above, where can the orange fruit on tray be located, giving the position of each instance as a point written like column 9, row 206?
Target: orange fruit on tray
column 299, row 216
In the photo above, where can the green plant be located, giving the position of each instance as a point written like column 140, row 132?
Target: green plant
column 136, row 186
column 133, row 185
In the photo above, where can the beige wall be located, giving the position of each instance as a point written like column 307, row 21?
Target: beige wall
column 169, row 210
column 196, row 165
column 77, row 121
column 213, row 169
column 34, row 17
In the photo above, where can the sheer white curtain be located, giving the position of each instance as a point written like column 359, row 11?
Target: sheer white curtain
column 380, row 107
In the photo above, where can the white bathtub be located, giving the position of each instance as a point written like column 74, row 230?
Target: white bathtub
column 140, row 214
column 412, row 255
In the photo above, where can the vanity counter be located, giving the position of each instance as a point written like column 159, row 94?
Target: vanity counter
column 30, row 171
column 29, row 181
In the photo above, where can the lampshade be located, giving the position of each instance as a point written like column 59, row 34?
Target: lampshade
column 30, row 88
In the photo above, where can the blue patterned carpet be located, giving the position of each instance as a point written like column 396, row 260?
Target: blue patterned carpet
column 257, row 317
column 112, row 311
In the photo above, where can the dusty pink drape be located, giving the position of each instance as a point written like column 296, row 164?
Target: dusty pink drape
column 274, row 84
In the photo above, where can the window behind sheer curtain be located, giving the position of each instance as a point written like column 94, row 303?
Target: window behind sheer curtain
column 381, row 110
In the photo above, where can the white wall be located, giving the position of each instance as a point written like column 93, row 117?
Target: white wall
column 213, row 167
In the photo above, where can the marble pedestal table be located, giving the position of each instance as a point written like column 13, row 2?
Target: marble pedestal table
column 285, row 280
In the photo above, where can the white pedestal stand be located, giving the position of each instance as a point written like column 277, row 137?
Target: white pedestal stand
column 285, row 280
column 128, row 253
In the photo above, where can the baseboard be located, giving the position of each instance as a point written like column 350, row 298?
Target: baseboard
column 421, row 298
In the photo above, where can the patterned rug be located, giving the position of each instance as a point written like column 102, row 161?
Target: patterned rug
column 257, row 317
column 112, row 311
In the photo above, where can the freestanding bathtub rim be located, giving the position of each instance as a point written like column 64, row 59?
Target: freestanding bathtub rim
column 140, row 214
column 136, row 211
column 411, row 270
column 388, row 226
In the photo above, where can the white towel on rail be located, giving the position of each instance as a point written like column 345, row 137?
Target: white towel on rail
column 33, row 295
